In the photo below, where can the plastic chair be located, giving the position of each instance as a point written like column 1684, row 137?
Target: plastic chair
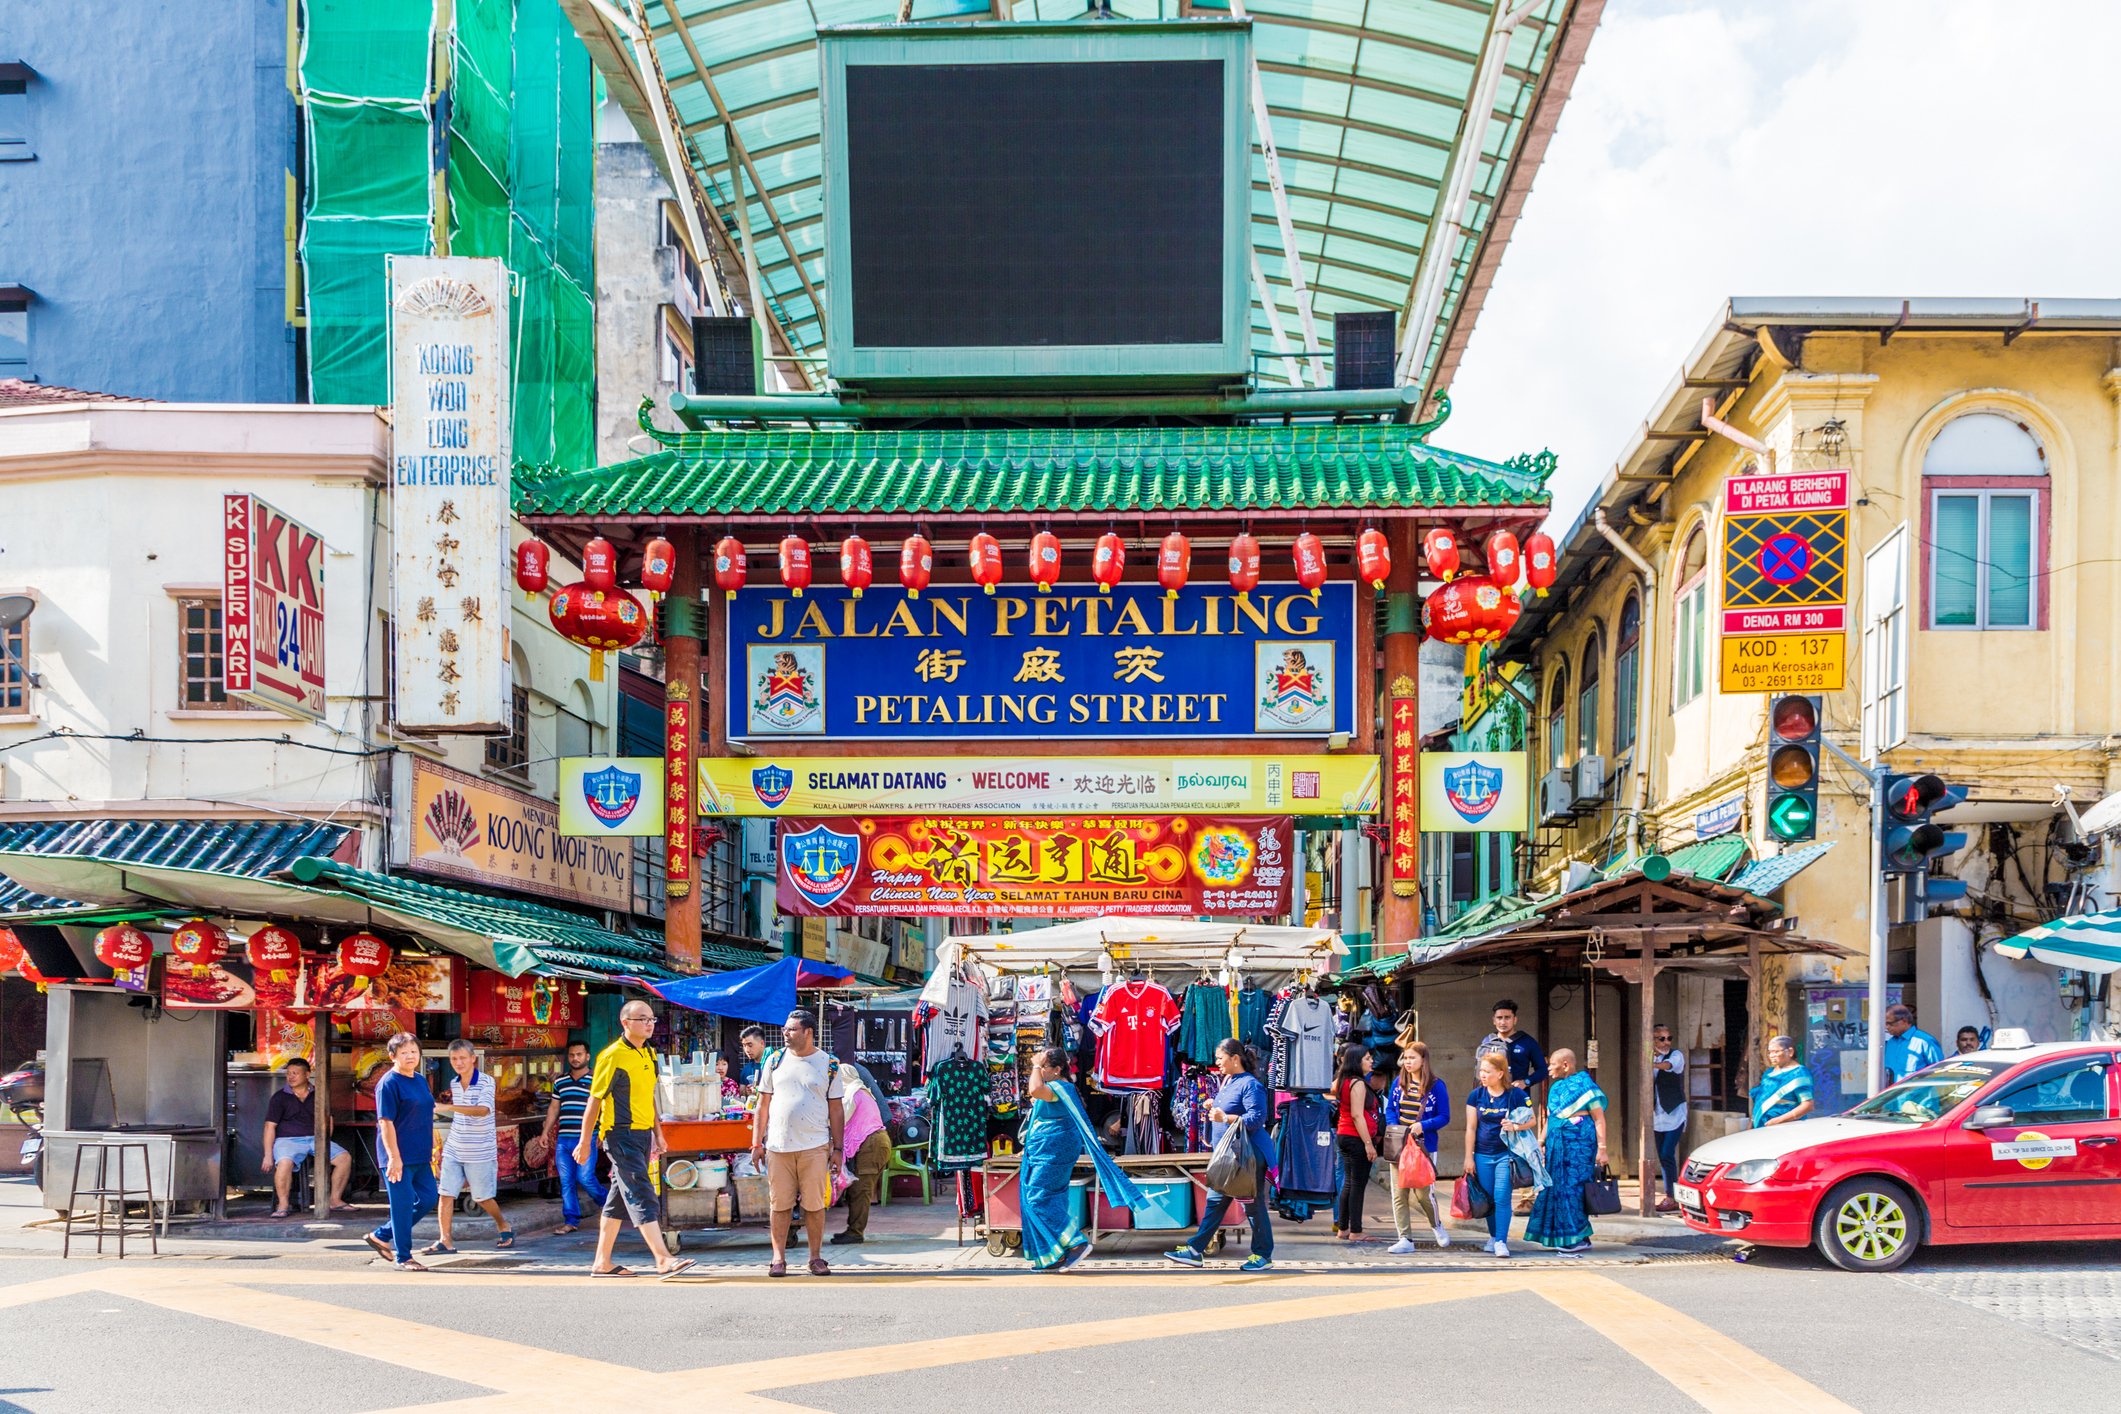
column 905, row 1159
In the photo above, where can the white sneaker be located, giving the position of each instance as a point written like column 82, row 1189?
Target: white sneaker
column 1443, row 1237
column 1402, row 1247
column 1502, row 1249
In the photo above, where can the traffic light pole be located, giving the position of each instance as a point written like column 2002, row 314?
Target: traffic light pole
column 1874, row 1030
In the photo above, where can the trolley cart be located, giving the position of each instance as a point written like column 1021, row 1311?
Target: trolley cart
column 1000, row 1224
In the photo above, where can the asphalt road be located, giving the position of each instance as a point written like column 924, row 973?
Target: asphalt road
column 1959, row 1329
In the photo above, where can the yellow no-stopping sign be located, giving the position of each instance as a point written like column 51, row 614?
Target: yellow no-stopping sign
column 1783, row 662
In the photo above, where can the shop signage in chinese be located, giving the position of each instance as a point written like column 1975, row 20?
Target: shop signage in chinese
column 957, row 664
column 1156, row 866
column 1403, row 722
column 1475, row 792
column 1041, row 785
column 606, row 796
column 462, row 827
column 524, row 1001
column 272, row 608
column 450, row 450
column 677, row 790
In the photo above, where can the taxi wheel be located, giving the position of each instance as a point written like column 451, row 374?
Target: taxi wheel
column 1867, row 1225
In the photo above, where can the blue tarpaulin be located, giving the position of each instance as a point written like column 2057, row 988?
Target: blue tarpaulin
column 765, row 994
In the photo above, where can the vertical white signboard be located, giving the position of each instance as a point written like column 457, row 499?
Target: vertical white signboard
column 450, row 457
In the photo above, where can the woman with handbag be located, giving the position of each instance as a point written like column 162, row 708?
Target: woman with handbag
column 1415, row 1110
column 1358, row 1131
column 1242, row 1100
column 1575, row 1152
column 1489, row 1164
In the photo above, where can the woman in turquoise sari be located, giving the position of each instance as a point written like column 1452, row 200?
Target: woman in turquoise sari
column 1575, row 1149
column 1055, row 1136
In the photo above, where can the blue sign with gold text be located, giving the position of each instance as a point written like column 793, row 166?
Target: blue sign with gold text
column 958, row 663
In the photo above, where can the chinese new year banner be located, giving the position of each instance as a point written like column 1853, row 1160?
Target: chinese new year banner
column 1144, row 866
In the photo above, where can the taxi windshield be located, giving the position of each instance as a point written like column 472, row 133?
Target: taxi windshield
column 1929, row 1093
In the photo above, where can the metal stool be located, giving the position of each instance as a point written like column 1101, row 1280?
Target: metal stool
column 104, row 1192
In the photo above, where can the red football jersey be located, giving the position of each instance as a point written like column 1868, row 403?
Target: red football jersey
column 1132, row 1020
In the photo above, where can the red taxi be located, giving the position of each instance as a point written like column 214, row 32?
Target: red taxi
column 2018, row 1145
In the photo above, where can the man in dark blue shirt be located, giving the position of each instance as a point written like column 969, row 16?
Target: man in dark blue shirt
column 405, row 1141
column 1528, row 1061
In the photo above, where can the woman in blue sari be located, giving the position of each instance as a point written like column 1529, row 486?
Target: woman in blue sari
column 1575, row 1149
column 1055, row 1136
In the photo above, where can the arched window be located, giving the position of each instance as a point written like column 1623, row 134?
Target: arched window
column 1627, row 661
column 1984, row 479
column 1558, row 754
column 1690, row 630
column 1587, row 699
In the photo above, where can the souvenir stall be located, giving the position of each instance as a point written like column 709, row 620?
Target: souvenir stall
column 1140, row 1005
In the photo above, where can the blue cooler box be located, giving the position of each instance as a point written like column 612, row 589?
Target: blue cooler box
column 1170, row 1204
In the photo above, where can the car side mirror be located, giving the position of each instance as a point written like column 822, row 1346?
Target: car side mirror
column 1991, row 1117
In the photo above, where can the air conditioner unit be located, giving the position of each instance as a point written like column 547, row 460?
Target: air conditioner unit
column 1557, row 801
column 1590, row 779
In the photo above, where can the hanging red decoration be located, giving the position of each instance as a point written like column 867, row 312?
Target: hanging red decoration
column 857, row 567
column 985, row 553
column 275, row 951
column 11, row 951
column 122, row 947
column 600, row 564
column 1244, row 566
column 1373, row 558
column 795, row 564
column 1440, row 549
column 1470, row 609
column 658, row 565
column 1173, row 558
column 363, row 955
column 1108, row 562
column 916, row 561
column 198, row 944
column 1310, row 556
column 1539, row 561
column 598, row 621
column 532, row 559
column 1504, row 560
column 1045, row 561
column 1447, row 615
column 729, row 565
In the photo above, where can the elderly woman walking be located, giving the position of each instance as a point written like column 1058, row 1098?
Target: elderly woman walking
column 1056, row 1134
column 1575, row 1150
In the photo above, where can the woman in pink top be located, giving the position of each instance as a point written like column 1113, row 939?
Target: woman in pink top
column 868, row 1152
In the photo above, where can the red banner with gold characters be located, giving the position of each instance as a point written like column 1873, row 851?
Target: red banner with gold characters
column 1142, row 866
column 1403, row 779
column 677, row 790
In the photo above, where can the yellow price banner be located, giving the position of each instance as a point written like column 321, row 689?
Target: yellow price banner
column 1783, row 662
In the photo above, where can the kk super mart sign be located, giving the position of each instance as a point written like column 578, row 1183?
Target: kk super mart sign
column 1785, row 582
column 1013, row 785
column 272, row 608
column 1157, row 866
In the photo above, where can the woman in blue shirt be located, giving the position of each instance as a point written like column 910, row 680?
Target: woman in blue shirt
column 1242, row 1100
column 1487, row 1151
column 1417, row 1098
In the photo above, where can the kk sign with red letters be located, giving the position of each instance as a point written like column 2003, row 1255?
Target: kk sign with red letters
column 272, row 608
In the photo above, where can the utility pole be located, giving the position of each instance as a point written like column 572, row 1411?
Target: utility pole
column 1874, row 1033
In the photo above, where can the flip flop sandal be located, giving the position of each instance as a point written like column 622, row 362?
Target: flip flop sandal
column 564, row 1228
column 380, row 1248
column 507, row 1239
column 409, row 1265
column 342, row 1207
column 676, row 1268
column 614, row 1272
column 436, row 1249
column 284, row 1213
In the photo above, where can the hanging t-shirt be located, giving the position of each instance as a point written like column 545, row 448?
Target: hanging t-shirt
column 1132, row 1021
column 1307, row 1023
column 958, row 1026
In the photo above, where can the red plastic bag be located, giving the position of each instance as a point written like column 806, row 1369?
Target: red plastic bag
column 1415, row 1170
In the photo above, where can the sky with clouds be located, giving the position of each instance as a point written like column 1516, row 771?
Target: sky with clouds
column 1893, row 148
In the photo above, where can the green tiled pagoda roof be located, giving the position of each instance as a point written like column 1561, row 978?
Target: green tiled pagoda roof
column 717, row 475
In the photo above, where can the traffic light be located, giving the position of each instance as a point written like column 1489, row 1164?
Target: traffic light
column 1793, row 769
column 1909, row 839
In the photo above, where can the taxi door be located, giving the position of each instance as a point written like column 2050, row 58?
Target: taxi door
column 2059, row 1163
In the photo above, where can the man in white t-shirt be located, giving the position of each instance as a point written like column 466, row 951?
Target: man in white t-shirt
column 1669, row 1114
column 798, row 1136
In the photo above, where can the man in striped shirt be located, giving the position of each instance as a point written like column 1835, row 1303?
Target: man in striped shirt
column 563, row 1127
column 471, row 1155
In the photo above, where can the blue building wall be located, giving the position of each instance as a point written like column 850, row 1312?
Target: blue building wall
column 151, row 223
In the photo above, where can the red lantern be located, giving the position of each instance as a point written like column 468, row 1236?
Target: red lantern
column 916, row 561
column 1447, row 615
column 1045, row 561
column 1440, row 548
column 122, row 947
column 275, row 951
column 363, row 955
column 658, row 562
column 1471, row 609
column 1244, row 565
column 600, row 564
column 857, row 569
column 1173, row 558
column 1310, row 556
column 1373, row 558
column 11, row 951
column 598, row 621
column 531, row 560
column 1502, row 616
column 795, row 564
column 985, row 553
column 199, row 944
column 729, row 565
column 1109, row 562
column 1539, row 561
column 1504, row 561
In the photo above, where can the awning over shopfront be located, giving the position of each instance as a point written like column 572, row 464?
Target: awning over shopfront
column 71, row 866
column 765, row 994
column 2089, row 942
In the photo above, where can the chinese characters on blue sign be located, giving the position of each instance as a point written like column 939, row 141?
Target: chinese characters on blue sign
column 957, row 663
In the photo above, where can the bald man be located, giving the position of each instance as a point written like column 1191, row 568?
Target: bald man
column 622, row 1112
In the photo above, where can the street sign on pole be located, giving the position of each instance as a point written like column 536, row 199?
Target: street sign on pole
column 1783, row 662
column 1785, row 583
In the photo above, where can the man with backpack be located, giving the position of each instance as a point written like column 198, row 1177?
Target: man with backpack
column 798, row 1135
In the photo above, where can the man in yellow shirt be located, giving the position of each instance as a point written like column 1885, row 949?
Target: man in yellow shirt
column 622, row 1113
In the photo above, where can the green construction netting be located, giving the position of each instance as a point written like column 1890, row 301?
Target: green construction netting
column 520, row 178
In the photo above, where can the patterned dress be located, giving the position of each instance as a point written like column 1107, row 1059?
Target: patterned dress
column 1558, row 1219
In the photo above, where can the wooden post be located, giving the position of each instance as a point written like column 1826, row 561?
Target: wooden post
column 320, row 1097
column 1646, row 1081
column 1752, row 1012
column 681, row 750
column 1399, row 921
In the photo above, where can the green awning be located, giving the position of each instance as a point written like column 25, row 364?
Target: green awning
column 78, row 867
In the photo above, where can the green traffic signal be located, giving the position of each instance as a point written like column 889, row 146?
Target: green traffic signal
column 1793, row 768
column 1791, row 817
